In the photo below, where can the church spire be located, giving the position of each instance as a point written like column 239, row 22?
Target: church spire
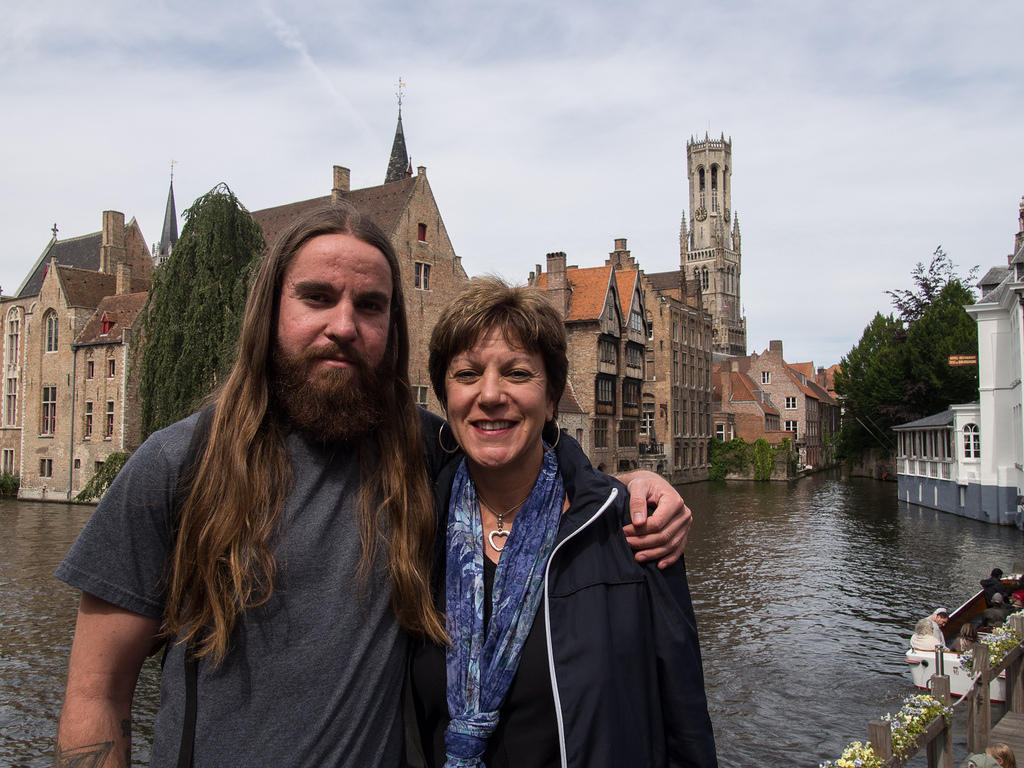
column 399, row 166
column 169, row 236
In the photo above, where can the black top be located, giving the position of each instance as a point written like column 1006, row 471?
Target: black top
column 526, row 735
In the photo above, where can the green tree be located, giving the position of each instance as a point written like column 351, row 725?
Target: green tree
column 872, row 381
column 191, row 321
column 899, row 370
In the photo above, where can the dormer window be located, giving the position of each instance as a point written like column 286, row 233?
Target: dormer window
column 107, row 324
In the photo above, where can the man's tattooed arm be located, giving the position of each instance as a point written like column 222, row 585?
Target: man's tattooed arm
column 92, row 756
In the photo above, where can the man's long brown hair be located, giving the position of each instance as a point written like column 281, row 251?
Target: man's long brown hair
column 223, row 561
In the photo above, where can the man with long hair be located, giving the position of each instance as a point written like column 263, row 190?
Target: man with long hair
column 285, row 560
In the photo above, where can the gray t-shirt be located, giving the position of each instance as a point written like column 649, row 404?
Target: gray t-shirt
column 314, row 676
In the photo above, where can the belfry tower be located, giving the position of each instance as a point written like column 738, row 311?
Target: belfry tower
column 709, row 248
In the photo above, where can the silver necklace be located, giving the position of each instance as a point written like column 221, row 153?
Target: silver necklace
column 500, row 531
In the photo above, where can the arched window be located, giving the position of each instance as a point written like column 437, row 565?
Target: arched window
column 700, row 178
column 704, row 278
column 13, row 336
column 972, row 441
column 50, row 324
column 714, row 178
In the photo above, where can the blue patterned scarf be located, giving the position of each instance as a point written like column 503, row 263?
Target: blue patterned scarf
column 481, row 669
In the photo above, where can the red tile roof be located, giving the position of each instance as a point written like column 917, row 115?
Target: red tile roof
column 122, row 309
column 84, row 287
column 626, row 282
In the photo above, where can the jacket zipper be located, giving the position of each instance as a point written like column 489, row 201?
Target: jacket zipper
column 547, row 626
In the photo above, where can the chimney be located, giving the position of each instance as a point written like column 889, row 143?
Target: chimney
column 558, row 284
column 112, row 251
column 620, row 257
column 775, row 345
column 342, row 180
column 124, row 278
column 421, row 170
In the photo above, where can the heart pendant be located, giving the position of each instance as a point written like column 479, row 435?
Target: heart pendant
column 490, row 539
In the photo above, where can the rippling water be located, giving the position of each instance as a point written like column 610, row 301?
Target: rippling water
column 805, row 594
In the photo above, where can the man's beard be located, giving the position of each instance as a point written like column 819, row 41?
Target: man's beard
column 328, row 403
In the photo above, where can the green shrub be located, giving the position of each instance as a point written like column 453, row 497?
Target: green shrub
column 9, row 484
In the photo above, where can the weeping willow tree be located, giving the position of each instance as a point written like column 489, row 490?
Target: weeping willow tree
column 191, row 321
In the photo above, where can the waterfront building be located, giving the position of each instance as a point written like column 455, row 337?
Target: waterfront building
column 805, row 409
column 709, row 247
column 743, row 409
column 70, row 399
column 968, row 460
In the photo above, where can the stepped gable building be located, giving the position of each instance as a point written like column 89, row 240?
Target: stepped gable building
column 605, row 333
column 742, row 409
column 405, row 208
column 809, row 415
column 709, row 248
column 68, row 401
column 675, row 426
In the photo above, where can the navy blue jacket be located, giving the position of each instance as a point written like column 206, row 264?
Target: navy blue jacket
column 623, row 652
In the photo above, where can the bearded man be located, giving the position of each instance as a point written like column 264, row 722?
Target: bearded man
column 283, row 557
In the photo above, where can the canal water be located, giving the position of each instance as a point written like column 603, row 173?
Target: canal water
column 806, row 594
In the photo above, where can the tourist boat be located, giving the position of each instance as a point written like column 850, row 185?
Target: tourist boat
column 922, row 663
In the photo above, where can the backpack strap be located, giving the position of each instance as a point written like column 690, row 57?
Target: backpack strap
column 187, row 476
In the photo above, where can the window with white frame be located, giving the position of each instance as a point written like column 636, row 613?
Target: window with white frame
column 46, row 467
column 108, row 429
column 791, row 427
column 9, row 461
column 12, row 401
column 766, row 377
column 13, row 336
column 422, row 276
column 49, row 419
column 972, row 441
column 720, row 431
column 87, row 427
column 51, row 325
column 420, row 394
column 791, row 403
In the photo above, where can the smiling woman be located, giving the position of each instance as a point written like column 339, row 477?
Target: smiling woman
column 531, row 523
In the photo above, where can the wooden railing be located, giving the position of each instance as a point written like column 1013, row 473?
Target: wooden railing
column 938, row 737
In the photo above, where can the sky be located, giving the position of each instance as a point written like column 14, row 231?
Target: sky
column 864, row 135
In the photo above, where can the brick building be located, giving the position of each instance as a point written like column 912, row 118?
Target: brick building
column 67, row 341
column 606, row 336
column 743, row 409
column 806, row 411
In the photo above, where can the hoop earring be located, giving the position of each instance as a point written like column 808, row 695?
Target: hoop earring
column 440, row 440
column 558, row 435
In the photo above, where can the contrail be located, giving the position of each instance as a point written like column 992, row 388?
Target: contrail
column 291, row 39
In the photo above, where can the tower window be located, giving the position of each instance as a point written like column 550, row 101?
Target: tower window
column 51, row 331
column 700, row 179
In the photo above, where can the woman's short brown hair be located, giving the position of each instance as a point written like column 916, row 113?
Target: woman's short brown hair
column 524, row 315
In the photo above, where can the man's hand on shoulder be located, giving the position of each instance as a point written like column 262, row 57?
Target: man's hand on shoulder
column 659, row 535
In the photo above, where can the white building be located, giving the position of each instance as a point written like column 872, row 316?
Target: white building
column 970, row 460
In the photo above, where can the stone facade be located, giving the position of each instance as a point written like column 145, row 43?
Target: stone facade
column 709, row 248
column 76, row 284
column 639, row 363
column 606, row 334
column 677, row 393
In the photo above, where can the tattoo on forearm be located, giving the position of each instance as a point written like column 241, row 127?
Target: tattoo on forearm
column 92, row 756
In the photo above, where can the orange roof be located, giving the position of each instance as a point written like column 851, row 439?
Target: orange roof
column 747, row 390
column 791, row 370
column 625, row 280
column 807, row 369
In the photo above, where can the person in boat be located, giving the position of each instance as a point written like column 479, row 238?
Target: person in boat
column 994, row 585
column 923, row 638
column 967, row 638
column 995, row 615
column 1002, row 754
column 563, row 649
column 939, row 619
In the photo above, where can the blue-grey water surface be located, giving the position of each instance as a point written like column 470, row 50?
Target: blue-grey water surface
column 805, row 594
